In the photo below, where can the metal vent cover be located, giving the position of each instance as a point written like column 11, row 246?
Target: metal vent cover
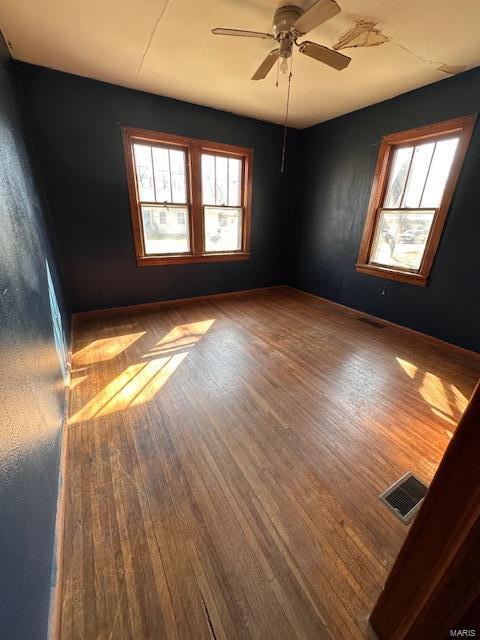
column 372, row 323
column 405, row 496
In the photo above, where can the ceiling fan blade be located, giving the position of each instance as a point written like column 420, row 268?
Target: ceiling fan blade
column 324, row 54
column 266, row 65
column 318, row 13
column 240, row 32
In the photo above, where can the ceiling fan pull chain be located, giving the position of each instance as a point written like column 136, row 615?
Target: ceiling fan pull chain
column 282, row 167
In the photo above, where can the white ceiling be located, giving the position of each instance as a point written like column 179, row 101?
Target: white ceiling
column 165, row 47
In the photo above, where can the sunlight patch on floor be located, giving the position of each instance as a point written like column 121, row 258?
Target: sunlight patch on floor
column 460, row 400
column 446, row 400
column 93, row 406
column 157, row 381
column 183, row 335
column 409, row 368
column 104, row 349
column 139, row 383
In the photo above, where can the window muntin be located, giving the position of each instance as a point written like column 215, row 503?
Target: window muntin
column 190, row 199
column 414, row 182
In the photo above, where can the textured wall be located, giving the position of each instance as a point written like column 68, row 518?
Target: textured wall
column 31, row 387
column 316, row 211
column 335, row 168
column 76, row 126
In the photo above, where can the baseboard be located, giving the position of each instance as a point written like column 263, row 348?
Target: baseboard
column 146, row 306
column 230, row 294
column 433, row 339
column 55, row 611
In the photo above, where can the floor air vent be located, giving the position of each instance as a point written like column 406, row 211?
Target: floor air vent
column 405, row 496
column 372, row 323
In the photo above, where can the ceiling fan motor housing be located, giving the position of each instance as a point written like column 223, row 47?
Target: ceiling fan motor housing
column 284, row 18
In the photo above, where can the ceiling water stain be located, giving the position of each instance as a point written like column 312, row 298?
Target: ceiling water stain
column 363, row 34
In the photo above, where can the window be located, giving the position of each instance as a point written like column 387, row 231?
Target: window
column 414, row 182
column 190, row 199
column 58, row 334
column 221, row 195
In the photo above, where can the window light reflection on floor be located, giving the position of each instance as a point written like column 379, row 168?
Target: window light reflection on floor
column 104, row 349
column 446, row 400
column 140, row 382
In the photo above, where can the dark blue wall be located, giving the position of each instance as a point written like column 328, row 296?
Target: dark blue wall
column 335, row 167
column 31, row 385
column 317, row 210
column 76, row 126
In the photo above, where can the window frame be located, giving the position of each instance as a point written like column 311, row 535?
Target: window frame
column 463, row 128
column 193, row 147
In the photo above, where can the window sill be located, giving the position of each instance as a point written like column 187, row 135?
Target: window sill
column 153, row 261
column 392, row 274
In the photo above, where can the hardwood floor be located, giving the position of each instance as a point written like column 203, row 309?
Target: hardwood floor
column 224, row 463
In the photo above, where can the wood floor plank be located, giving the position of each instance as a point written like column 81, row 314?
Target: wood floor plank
column 225, row 459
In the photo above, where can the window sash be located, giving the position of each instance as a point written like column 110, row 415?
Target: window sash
column 214, row 157
column 165, row 147
column 410, row 211
column 187, row 226
column 437, row 164
column 242, row 226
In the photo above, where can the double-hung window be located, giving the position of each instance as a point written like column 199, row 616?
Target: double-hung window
column 190, row 199
column 415, row 179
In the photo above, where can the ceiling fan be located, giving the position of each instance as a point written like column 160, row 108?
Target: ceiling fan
column 291, row 22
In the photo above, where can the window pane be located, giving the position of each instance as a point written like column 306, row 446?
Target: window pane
column 439, row 172
column 208, row 179
column 422, row 157
column 398, row 175
column 223, row 229
column 177, row 173
column 162, row 175
column 400, row 238
column 165, row 229
column 143, row 164
column 221, row 180
column 234, row 182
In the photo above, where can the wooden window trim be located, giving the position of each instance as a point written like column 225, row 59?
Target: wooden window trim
column 463, row 127
column 194, row 147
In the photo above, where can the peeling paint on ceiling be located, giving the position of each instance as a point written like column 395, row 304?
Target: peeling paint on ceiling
column 452, row 69
column 363, row 34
